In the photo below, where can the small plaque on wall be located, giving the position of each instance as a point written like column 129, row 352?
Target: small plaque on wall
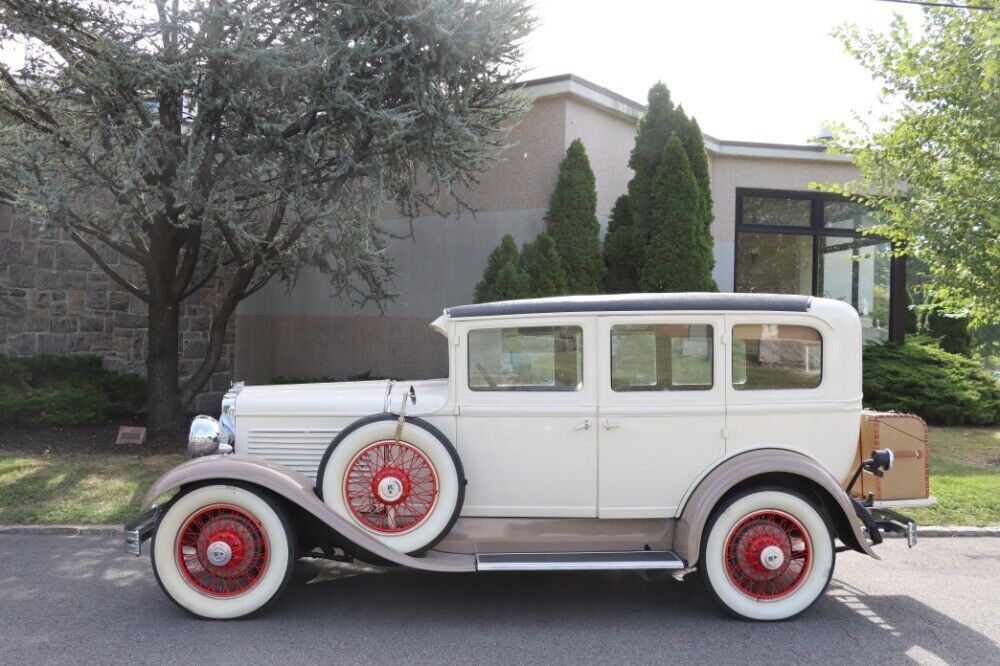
column 130, row 436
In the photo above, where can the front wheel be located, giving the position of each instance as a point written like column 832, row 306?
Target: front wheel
column 767, row 555
column 223, row 551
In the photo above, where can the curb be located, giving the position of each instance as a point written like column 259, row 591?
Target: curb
column 931, row 532
column 63, row 530
column 935, row 532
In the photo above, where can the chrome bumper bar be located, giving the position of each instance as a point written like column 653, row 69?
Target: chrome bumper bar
column 140, row 530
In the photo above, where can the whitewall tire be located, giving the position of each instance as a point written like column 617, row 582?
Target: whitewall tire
column 405, row 493
column 223, row 551
column 767, row 554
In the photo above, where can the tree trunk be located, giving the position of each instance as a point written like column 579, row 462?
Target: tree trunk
column 165, row 410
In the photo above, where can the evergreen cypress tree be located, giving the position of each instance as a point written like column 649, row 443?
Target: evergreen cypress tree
column 694, row 146
column 572, row 223
column 640, row 237
column 503, row 254
column 540, row 261
column 679, row 255
column 511, row 283
column 623, row 249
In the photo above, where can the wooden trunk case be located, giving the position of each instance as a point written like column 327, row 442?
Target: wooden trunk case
column 906, row 435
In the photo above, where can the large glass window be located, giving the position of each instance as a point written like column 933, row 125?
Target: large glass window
column 774, row 263
column 776, row 356
column 661, row 357
column 777, row 212
column 537, row 358
column 856, row 271
column 812, row 243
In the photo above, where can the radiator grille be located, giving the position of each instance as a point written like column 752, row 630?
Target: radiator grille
column 301, row 450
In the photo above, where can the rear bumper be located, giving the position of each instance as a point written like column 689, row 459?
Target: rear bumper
column 879, row 520
column 140, row 530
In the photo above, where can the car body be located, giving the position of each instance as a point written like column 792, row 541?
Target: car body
column 645, row 431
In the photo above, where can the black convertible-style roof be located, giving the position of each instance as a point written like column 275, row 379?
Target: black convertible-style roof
column 636, row 303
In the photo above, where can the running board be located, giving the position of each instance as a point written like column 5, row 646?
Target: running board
column 616, row 559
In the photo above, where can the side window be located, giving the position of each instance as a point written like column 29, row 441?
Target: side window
column 661, row 357
column 537, row 358
column 776, row 356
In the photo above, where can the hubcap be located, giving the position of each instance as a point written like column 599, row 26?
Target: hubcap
column 767, row 555
column 772, row 557
column 219, row 553
column 222, row 550
column 390, row 487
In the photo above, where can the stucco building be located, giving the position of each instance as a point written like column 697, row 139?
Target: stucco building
column 771, row 233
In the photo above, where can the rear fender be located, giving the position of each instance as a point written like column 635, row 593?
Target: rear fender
column 766, row 464
column 297, row 489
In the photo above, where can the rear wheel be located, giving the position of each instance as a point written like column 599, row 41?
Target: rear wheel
column 223, row 551
column 767, row 555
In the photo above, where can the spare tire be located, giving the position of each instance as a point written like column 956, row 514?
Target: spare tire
column 406, row 493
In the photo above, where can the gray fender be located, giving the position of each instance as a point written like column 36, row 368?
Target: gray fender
column 743, row 466
column 298, row 490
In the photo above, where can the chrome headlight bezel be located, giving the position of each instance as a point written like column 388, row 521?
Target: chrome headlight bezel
column 208, row 436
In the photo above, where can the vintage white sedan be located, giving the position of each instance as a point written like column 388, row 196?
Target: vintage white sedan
column 648, row 431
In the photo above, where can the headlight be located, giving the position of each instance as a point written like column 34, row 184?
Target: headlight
column 208, row 436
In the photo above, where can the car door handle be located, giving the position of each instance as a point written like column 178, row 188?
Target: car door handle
column 608, row 424
column 586, row 425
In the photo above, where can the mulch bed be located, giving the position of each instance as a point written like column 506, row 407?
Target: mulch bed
column 89, row 439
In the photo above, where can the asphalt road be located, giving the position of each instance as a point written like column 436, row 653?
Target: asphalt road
column 79, row 600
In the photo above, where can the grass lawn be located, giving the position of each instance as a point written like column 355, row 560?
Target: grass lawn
column 76, row 489
column 965, row 477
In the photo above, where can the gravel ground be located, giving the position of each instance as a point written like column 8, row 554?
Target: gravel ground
column 80, row 600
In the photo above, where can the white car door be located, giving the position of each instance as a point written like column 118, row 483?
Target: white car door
column 662, row 410
column 527, row 416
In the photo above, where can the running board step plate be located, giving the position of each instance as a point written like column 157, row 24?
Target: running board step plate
column 617, row 559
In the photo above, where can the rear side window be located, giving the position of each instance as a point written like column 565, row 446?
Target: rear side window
column 536, row 358
column 776, row 356
column 661, row 357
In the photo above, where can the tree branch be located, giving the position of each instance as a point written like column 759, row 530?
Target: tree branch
column 117, row 277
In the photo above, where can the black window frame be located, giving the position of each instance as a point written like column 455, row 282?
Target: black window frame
column 817, row 230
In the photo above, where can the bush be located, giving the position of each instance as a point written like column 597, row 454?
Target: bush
column 365, row 376
column 44, row 390
column 922, row 378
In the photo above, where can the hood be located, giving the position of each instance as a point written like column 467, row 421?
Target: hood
column 341, row 398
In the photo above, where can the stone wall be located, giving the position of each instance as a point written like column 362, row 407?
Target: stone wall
column 55, row 300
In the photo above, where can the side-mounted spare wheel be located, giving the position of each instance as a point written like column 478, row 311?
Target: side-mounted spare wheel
column 767, row 554
column 406, row 491
column 223, row 551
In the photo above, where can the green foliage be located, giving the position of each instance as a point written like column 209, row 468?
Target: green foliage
column 41, row 391
column 638, row 243
column 512, row 283
column 679, row 255
column 623, row 243
column 922, row 378
column 541, row 263
column 941, row 141
column 502, row 255
column 572, row 223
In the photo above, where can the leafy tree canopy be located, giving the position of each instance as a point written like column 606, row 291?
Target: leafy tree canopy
column 929, row 167
column 246, row 138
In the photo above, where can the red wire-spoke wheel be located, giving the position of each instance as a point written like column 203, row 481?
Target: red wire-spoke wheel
column 390, row 487
column 222, row 550
column 768, row 555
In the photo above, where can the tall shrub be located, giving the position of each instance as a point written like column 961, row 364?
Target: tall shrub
column 629, row 244
column 541, row 263
column 502, row 255
column 572, row 223
column 679, row 254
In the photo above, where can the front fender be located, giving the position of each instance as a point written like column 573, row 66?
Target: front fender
column 297, row 489
column 759, row 462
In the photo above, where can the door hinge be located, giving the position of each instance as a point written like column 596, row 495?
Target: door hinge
column 725, row 433
column 457, row 341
